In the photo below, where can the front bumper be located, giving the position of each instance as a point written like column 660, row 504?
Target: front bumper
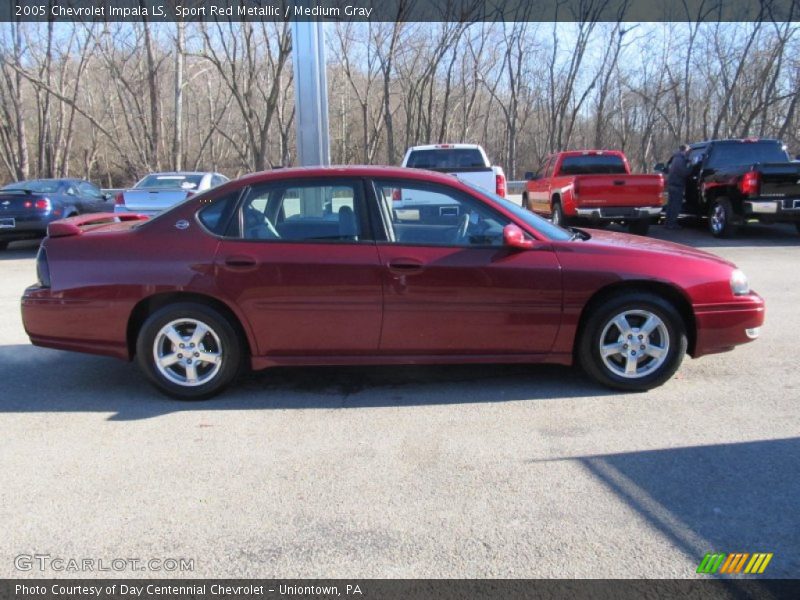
column 721, row 327
column 612, row 213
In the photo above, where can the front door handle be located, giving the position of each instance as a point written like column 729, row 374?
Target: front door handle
column 241, row 262
column 405, row 266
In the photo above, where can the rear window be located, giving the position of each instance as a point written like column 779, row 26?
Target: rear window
column 37, row 186
column 171, row 182
column 743, row 153
column 593, row 164
column 446, row 158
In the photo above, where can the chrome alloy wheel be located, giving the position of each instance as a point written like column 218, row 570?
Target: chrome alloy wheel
column 187, row 352
column 718, row 218
column 634, row 343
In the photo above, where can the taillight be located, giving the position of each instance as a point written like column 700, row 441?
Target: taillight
column 42, row 268
column 43, row 204
column 119, row 199
column 397, row 195
column 500, row 185
column 750, row 184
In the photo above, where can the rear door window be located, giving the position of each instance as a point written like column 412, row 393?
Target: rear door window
column 325, row 211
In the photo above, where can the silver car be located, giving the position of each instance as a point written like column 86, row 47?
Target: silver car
column 159, row 191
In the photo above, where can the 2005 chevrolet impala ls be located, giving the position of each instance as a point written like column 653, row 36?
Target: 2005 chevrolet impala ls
column 316, row 267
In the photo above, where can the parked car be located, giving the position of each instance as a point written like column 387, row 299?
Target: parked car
column 595, row 186
column 27, row 207
column 468, row 162
column 160, row 191
column 312, row 267
column 735, row 181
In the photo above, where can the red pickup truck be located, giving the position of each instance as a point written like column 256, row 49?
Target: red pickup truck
column 596, row 186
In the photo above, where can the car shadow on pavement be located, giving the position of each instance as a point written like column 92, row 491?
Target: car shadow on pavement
column 42, row 380
column 694, row 233
column 729, row 498
column 20, row 250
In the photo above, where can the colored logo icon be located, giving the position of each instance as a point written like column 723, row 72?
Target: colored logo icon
column 734, row 563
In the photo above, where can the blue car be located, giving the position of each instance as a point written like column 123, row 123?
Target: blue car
column 27, row 207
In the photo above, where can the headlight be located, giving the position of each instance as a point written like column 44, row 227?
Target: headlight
column 739, row 284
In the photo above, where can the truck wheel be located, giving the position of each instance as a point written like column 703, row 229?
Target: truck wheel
column 640, row 227
column 525, row 203
column 633, row 342
column 189, row 351
column 721, row 218
column 558, row 215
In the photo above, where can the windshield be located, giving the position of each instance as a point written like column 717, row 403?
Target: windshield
column 543, row 226
column 442, row 158
column 743, row 153
column 37, row 186
column 593, row 164
column 170, row 182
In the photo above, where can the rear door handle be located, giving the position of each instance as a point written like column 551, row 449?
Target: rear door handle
column 241, row 261
column 619, row 182
column 405, row 266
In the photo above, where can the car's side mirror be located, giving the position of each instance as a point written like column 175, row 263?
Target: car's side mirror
column 514, row 237
column 660, row 168
column 530, row 175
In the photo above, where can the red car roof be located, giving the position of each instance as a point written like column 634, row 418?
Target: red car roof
column 345, row 170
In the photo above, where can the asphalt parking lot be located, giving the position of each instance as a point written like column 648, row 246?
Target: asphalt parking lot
column 487, row 471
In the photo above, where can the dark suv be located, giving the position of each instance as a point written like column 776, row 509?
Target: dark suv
column 733, row 181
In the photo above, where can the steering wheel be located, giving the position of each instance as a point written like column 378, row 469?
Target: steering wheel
column 461, row 230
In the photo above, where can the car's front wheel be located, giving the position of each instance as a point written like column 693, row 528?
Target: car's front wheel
column 558, row 215
column 633, row 342
column 189, row 351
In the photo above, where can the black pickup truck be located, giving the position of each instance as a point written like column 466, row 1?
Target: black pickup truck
column 734, row 181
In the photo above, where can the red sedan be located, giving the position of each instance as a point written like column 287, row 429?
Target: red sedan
column 316, row 267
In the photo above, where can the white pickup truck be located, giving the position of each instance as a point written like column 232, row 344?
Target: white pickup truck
column 468, row 162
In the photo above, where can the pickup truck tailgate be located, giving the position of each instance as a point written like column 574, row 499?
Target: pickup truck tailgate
column 779, row 180
column 619, row 190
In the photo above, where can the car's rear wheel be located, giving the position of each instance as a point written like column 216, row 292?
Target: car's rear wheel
column 3, row 245
column 797, row 226
column 639, row 227
column 721, row 218
column 189, row 351
column 558, row 215
column 633, row 342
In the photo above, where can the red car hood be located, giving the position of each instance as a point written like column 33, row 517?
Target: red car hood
column 614, row 240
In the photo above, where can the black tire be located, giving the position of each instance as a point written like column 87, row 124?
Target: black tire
column 797, row 226
column 558, row 215
column 4, row 245
column 721, row 218
column 671, row 336
column 639, row 227
column 525, row 204
column 221, row 340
